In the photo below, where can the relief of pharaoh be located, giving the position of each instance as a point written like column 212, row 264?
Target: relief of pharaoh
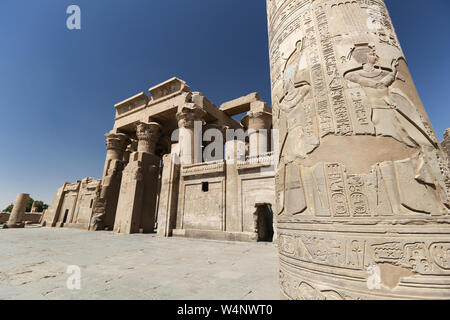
column 296, row 140
column 294, row 144
column 393, row 114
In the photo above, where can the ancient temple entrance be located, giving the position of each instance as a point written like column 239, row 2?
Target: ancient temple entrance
column 66, row 214
column 264, row 222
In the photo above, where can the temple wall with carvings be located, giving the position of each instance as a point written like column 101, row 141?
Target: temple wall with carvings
column 204, row 198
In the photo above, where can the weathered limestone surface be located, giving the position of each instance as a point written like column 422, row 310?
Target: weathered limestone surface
column 105, row 208
column 16, row 219
column 133, row 267
column 73, row 205
column 168, row 199
column 34, row 208
column 136, row 208
column 4, row 217
column 240, row 105
column 362, row 185
column 446, row 143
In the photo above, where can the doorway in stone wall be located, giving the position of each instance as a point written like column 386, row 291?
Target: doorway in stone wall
column 264, row 222
column 66, row 214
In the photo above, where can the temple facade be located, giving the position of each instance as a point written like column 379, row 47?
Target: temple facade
column 157, row 177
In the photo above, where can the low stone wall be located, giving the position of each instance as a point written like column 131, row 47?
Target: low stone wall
column 4, row 217
column 28, row 218
column 33, row 217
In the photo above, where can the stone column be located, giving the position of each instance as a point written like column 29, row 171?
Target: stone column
column 258, row 124
column 136, row 209
column 18, row 212
column 103, row 218
column 190, row 151
column 34, row 208
column 361, row 188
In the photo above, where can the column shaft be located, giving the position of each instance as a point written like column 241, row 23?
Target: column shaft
column 18, row 211
column 136, row 208
column 361, row 174
column 105, row 212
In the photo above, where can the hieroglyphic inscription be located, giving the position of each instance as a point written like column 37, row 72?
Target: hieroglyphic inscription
column 420, row 257
column 335, row 86
column 326, row 125
column 336, row 252
column 335, row 179
column 287, row 9
column 441, row 255
column 359, row 202
column 307, row 121
column 361, row 111
column 380, row 21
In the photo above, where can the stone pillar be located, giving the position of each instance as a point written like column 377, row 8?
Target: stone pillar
column 103, row 218
column 190, row 151
column 136, row 209
column 51, row 215
column 18, row 212
column 258, row 124
column 168, row 202
column 234, row 153
column 34, row 208
column 362, row 205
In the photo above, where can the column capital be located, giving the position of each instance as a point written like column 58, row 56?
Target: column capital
column 148, row 135
column 116, row 141
column 188, row 114
column 257, row 120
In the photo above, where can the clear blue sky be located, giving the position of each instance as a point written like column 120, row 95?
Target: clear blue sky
column 58, row 87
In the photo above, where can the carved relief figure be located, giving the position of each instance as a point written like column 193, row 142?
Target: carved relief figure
column 297, row 89
column 393, row 115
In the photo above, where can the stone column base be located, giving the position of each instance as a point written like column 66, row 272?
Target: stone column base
column 14, row 226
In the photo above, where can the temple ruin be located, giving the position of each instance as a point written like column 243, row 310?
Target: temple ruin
column 144, row 189
column 354, row 179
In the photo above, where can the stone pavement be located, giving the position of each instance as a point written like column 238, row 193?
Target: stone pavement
column 34, row 261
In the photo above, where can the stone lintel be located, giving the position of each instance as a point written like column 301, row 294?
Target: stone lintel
column 240, row 105
column 213, row 113
column 168, row 87
column 136, row 101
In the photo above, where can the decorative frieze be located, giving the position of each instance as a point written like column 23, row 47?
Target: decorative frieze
column 203, row 168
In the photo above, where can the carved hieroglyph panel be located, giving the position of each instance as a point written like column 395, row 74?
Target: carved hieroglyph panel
column 353, row 256
column 340, row 82
column 203, row 210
